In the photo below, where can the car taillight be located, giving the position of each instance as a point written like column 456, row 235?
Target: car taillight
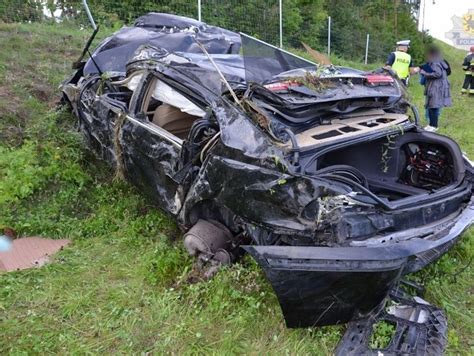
column 279, row 86
column 374, row 79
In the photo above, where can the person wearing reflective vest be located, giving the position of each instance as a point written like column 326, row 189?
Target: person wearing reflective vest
column 468, row 67
column 401, row 63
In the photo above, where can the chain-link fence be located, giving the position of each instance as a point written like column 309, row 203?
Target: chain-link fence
column 259, row 18
column 294, row 22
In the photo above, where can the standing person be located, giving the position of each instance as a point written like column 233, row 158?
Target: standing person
column 400, row 62
column 437, row 87
column 468, row 67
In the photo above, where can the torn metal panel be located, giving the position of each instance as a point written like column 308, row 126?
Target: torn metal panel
column 419, row 329
column 259, row 195
column 175, row 33
column 150, row 162
column 331, row 285
column 97, row 116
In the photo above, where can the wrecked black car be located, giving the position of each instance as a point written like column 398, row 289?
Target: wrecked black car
column 321, row 173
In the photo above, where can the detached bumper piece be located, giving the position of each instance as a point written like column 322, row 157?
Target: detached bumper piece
column 420, row 329
column 319, row 286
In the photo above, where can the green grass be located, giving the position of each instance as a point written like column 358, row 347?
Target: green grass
column 122, row 285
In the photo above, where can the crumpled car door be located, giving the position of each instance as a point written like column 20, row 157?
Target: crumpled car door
column 98, row 113
column 151, row 158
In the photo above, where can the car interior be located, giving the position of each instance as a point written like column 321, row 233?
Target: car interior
column 165, row 115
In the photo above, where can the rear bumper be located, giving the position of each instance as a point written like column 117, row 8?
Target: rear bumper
column 331, row 285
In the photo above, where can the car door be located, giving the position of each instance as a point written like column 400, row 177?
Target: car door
column 99, row 106
column 151, row 148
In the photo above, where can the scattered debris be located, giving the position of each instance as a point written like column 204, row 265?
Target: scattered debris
column 418, row 329
column 29, row 252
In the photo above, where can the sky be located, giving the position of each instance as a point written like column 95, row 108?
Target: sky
column 438, row 15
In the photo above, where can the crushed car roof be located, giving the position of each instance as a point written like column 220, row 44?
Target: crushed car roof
column 175, row 33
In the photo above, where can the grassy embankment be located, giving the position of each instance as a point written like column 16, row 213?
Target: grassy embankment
column 121, row 286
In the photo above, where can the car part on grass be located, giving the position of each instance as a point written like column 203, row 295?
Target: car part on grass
column 210, row 241
column 207, row 237
column 320, row 172
column 329, row 285
column 28, row 252
column 419, row 329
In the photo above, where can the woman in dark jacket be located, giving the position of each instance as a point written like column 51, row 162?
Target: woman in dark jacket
column 437, row 87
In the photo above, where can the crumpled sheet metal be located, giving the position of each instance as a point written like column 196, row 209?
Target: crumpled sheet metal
column 91, row 113
column 329, row 285
column 265, row 196
column 175, row 33
column 420, row 329
column 28, row 252
column 150, row 164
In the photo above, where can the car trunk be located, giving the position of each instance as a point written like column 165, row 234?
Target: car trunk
column 396, row 166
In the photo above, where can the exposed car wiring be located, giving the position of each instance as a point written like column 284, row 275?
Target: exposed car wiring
column 358, row 186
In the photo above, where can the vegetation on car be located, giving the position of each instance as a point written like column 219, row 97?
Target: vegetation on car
column 124, row 283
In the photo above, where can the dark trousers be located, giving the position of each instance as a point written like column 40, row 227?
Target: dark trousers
column 433, row 116
column 468, row 85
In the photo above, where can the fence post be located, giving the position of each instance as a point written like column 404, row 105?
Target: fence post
column 367, row 49
column 89, row 15
column 199, row 10
column 329, row 36
column 281, row 23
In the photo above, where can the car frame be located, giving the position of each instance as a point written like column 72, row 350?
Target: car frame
column 333, row 250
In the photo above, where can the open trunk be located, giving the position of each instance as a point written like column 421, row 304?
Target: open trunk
column 396, row 166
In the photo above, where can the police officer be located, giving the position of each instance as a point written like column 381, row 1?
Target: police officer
column 401, row 63
column 468, row 67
